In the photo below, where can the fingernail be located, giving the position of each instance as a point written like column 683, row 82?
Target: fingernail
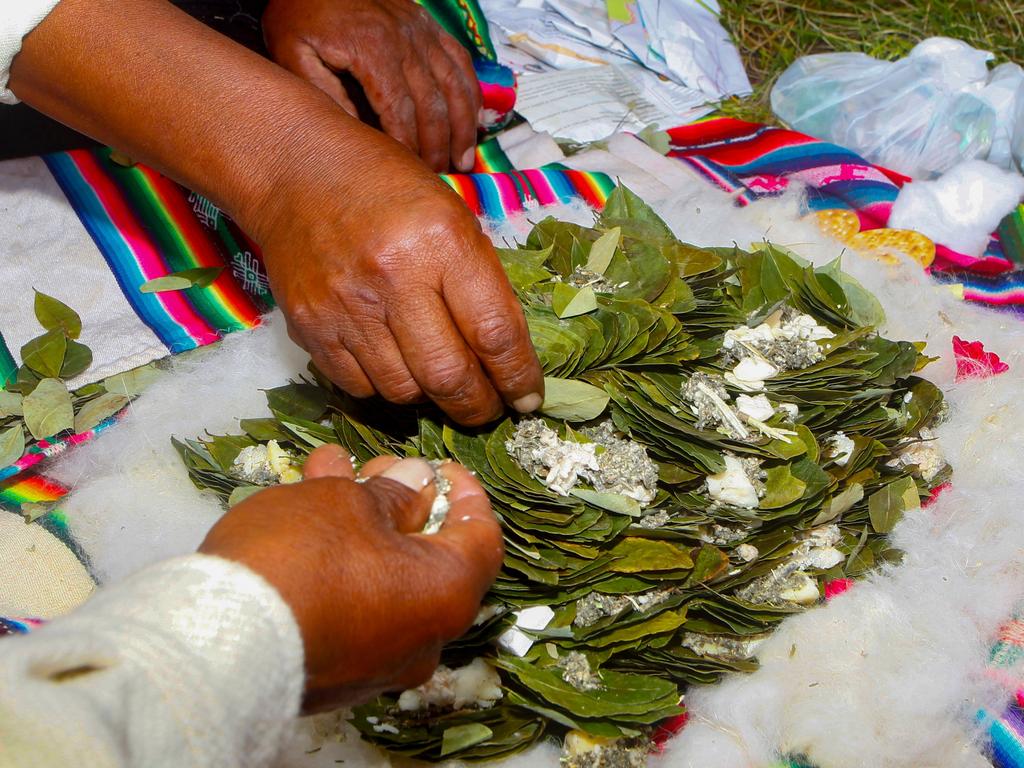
column 528, row 403
column 412, row 473
column 468, row 160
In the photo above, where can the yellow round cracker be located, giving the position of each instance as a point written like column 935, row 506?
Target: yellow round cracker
column 840, row 223
column 893, row 243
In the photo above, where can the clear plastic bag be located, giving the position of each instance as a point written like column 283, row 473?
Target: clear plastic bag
column 1018, row 132
column 920, row 115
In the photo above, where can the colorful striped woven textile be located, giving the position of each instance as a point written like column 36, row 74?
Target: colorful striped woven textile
column 497, row 196
column 146, row 226
column 752, row 161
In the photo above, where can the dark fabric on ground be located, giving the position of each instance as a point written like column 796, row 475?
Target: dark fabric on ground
column 25, row 132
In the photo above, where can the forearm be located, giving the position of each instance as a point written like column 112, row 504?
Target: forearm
column 195, row 662
column 146, row 78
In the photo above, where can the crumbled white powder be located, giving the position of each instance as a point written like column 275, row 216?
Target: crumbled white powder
column 924, row 453
column 609, row 463
column 787, row 582
column 722, row 646
column 265, row 465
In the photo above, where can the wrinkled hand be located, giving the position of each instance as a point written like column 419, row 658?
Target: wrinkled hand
column 388, row 282
column 417, row 78
column 374, row 599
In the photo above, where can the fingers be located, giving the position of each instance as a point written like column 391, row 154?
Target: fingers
column 453, row 69
column 470, row 527
column 404, row 491
column 302, row 60
column 341, row 367
column 441, row 363
column 464, row 556
column 432, row 126
column 381, row 359
column 490, row 319
column 387, row 90
column 329, row 461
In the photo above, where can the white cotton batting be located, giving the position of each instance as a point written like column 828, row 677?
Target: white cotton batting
column 960, row 208
column 133, row 503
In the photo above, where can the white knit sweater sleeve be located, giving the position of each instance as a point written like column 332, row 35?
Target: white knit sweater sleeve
column 193, row 662
column 17, row 19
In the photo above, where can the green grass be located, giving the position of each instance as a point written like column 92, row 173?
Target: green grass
column 771, row 34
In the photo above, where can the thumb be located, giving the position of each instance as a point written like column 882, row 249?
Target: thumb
column 302, row 60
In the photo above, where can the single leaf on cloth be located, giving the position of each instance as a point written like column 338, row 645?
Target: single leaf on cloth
column 602, row 250
column 45, row 354
column 54, row 314
column 77, row 360
column 10, row 404
column 572, row 400
column 972, row 361
column 32, row 511
column 132, row 383
column 198, row 277
column 887, row 505
column 99, row 409
column 460, row 737
column 12, row 445
column 570, row 302
column 48, row 410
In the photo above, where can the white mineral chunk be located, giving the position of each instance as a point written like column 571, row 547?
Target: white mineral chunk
column 791, row 410
column 756, row 407
column 265, row 465
column 476, row 685
column 732, row 486
column 750, row 374
column 747, row 552
column 840, row 448
column 926, row 454
column 800, row 589
column 280, row 462
column 515, row 641
column 536, row 617
column 803, row 327
column 745, row 335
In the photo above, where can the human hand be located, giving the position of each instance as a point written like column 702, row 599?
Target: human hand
column 387, row 281
column 375, row 600
column 417, row 78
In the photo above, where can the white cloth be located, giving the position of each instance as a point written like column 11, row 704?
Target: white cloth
column 40, row 578
column 43, row 245
column 193, row 662
column 17, row 19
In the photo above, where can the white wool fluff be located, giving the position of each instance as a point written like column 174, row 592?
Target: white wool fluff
column 133, row 503
column 889, row 675
column 960, row 208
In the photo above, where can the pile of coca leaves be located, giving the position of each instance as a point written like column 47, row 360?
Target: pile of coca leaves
column 724, row 432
